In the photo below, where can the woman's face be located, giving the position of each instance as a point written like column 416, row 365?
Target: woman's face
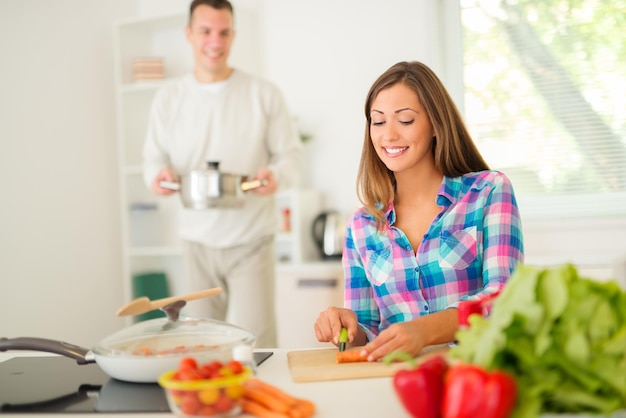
column 400, row 130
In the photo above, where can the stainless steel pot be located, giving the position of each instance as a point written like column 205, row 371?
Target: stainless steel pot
column 210, row 188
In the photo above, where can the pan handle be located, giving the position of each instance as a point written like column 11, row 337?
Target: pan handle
column 80, row 354
column 172, row 185
column 253, row 184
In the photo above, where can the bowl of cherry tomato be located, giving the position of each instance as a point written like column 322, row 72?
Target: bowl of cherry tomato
column 205, row 390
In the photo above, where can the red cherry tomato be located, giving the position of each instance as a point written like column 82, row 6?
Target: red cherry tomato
column 223, row 404
column 190, row 404
column 235, row 366
column 187, row 363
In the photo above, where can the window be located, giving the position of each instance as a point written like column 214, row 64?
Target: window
column 545, row 100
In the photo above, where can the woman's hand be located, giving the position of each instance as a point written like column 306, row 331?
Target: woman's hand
column 412, row 336
column 329, row 323
column 403, row 336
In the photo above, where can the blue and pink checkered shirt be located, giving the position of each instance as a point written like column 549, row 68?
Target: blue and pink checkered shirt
column 470, row 249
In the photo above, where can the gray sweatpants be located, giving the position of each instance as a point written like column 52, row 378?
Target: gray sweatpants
column 246, row 273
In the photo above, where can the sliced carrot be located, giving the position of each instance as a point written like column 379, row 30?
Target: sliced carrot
column 350, row 356
column 258, row 410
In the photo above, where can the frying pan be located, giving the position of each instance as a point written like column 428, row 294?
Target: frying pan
column 145, row 350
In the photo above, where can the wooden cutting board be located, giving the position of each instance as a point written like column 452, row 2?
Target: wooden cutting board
column 321, row 364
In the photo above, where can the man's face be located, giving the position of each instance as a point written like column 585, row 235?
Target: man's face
column 211, row 35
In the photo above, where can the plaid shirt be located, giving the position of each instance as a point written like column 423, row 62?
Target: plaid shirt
column 469, row 250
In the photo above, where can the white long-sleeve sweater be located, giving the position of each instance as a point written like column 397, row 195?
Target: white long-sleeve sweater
column 242, row 122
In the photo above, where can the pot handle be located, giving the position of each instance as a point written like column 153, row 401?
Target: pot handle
column 253, row 184
column 50, row 346
column 172, row 185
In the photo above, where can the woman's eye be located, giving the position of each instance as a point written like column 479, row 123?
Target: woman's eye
column 407, row 122
column 374, row 123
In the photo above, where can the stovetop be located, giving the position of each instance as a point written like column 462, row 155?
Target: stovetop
column 60, row 385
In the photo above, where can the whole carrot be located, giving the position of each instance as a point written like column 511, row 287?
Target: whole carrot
column 262, row 398
column 271, row 391
column 302, row 409
column 350, row 356
column 253, row 408
column 274, row 399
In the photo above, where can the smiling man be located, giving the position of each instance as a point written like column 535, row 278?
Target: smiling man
column 219, row 113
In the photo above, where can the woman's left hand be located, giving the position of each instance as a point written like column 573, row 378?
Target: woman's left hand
column 403, row 336
column 412, row 336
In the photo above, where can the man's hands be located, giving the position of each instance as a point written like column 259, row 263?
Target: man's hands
column 271, row 186
column 167, row 174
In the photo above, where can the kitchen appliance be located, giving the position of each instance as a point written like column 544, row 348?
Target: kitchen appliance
column 211, row 188
column 145, row 350
column 328, row 233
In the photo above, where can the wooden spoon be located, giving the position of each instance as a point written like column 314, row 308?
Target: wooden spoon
column 143, row 304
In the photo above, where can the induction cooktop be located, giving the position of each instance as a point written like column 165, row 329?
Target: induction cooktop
column 59, row 385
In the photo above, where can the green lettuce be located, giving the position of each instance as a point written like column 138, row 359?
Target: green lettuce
column 562, row 336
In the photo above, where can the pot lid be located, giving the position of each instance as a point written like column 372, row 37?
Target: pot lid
column 174, row 336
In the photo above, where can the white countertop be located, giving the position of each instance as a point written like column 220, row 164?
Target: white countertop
column 372, row 397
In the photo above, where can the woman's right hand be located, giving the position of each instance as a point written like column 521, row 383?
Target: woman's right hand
column 329, row 323
column 167, row 174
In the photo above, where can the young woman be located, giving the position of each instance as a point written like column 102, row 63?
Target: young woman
column 436, row 227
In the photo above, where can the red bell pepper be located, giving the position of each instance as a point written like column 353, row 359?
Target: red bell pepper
column 420, row 389
column 470, row 391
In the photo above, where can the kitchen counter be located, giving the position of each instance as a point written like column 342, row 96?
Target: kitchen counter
column 371, row 397
column 354, row 398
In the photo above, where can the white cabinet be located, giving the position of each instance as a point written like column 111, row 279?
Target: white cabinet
column 302, row 292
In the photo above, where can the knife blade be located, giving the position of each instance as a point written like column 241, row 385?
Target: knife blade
column 343, row 339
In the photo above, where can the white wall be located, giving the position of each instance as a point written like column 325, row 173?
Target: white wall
column 325, row 55
column 60, row 257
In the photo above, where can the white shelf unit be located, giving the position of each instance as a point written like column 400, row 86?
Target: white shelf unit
column 149, row 223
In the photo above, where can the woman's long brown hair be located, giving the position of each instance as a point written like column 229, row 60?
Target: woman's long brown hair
column 453, row 148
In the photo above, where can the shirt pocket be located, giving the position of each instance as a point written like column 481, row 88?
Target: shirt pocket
column 380, row 266
column 457, row 249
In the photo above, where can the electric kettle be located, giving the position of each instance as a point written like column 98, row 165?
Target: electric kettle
column 328, row 234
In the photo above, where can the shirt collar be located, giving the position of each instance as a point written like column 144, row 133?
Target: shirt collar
column 446, row 195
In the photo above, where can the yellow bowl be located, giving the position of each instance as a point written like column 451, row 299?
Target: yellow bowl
column 205, row 398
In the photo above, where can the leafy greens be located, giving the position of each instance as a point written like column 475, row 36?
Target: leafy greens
column 562, row 336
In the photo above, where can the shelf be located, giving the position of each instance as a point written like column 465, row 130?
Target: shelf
column 145, row 86
column 154, row 251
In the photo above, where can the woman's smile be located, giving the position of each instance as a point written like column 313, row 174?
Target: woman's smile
column 394, row 151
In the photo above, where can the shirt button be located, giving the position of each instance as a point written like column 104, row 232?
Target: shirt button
column 408, row 247
column 425, row 308
column 417, row 269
